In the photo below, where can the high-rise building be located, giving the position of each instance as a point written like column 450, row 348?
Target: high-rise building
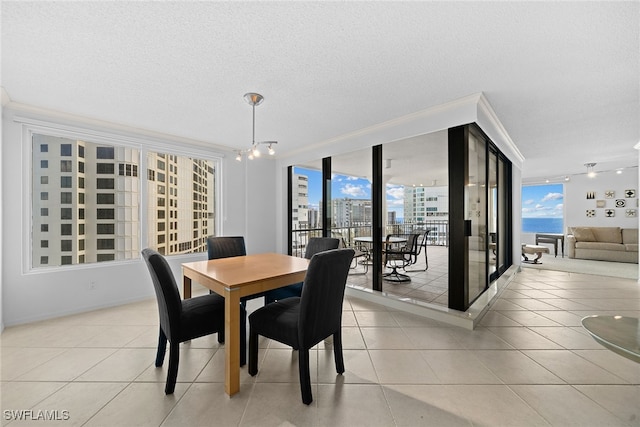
column 181, row 201
column 300, row 201
column 348, row 212
column 425, row 203
column 86, row 204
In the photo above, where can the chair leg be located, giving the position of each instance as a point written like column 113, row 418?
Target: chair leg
column 162, row 348
column 221, row 336
column 172, row 375
column 337, row 351
column 426, row 263
column 253, row 353
column 243, row 335
column 305, row 377
column 426, row 260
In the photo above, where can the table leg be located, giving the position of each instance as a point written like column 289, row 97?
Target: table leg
column 232, row 342
column 186, row 287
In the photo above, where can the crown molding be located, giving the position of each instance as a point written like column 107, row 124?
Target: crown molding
column 472, row 108
column 440, row 117
column 5, row 96
column 491, row 125
column 38, row 116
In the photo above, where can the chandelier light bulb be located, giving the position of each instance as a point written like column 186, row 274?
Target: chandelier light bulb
column 254, row 99
column 590, row 172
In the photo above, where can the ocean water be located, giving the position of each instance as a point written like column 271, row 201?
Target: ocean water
column 542, row 225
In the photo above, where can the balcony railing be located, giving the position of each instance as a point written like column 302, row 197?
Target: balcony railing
column 438, row 233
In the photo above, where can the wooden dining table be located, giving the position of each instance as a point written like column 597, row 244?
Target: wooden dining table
column 237, row 277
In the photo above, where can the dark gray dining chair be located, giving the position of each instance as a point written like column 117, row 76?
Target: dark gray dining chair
column 302, row 322
column 180, row 320
column 226, row 247
column 315, row 245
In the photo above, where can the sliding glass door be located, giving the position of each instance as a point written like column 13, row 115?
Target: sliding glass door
column 476, row 215
column 451, row 187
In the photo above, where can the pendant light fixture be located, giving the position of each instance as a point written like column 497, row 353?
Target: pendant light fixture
column 255, row 99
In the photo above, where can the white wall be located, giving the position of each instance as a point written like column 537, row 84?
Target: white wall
column 3, row 101
column 248, row 209
column 576, row 203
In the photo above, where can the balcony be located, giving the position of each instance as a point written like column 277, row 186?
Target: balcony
column 427, row 285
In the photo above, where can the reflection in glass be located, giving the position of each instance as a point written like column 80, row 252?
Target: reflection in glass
column 476, row 214
column 493, row 212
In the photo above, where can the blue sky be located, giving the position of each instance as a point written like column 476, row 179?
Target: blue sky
column 542, row 201
column 351, row 187
column 538, row 201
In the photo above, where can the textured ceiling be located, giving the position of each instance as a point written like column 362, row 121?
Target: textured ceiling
column 563, row 77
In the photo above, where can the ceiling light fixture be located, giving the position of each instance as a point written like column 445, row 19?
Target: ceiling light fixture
column 590, row 172
column 254, row 99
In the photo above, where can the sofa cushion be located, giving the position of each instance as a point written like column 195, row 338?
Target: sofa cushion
column 630, row 235
column 607, row 234
column 631, row 247
column 602, row 246
column 583, row 234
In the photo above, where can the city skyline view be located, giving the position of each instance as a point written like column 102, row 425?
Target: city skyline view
column 350, row 187
column 88, row 202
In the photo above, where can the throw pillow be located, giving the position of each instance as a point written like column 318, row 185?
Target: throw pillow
column 607, row 234
column 583, row 234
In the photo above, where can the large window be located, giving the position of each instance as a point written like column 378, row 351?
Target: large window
column 94, row 211
column 542, row 208
column 181, row 208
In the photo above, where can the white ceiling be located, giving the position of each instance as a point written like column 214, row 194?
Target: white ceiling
column 563, row 77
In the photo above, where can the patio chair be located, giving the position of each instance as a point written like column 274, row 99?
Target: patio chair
column 400, row 255
column 358, row 253
column 421, row 244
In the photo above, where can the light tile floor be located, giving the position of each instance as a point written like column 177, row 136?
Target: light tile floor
column 428, row 285
column 529, row 363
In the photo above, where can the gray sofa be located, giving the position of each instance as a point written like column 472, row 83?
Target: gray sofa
column 603, row 243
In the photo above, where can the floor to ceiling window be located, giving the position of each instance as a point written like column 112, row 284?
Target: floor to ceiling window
column 476, row 212
column 306, row 206
column 351, row 208
column 542, row 208
column 404, row 187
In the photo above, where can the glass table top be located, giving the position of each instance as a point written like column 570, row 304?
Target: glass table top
column 617, row 333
